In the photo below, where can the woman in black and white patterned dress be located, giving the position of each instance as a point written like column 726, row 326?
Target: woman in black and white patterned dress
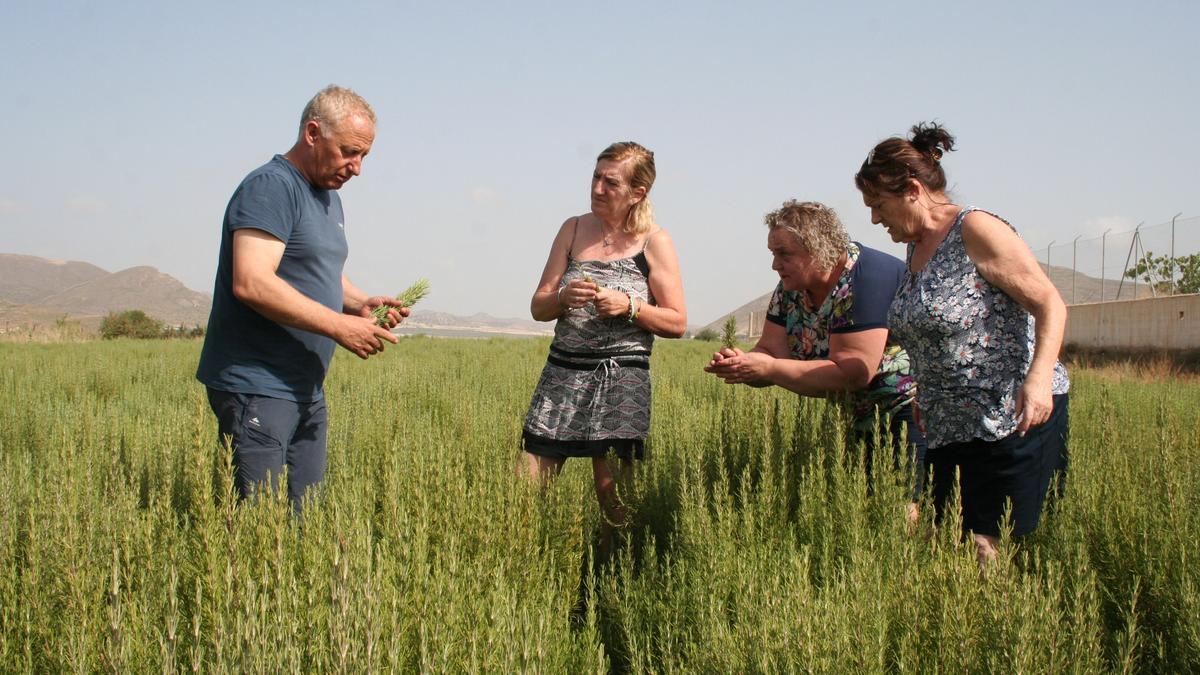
column 612, row 283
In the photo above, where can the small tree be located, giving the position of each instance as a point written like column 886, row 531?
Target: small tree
column 68, row 329
column 132, row 323
column 1159, row 270
column 729, row 332
column 707, row 335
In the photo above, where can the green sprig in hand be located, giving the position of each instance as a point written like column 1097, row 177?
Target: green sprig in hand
column 407, row 298
column 729, row 332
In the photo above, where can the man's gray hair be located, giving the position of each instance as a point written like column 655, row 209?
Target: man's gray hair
column 331, row 105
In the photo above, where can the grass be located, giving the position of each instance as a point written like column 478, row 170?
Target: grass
column 756, row 545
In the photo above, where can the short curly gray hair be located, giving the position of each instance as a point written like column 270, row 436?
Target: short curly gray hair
column 816, row 228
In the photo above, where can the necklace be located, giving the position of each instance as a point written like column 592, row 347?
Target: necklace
column 607, row 237
column 610, row 238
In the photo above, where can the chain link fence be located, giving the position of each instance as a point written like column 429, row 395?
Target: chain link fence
column 1095, row 269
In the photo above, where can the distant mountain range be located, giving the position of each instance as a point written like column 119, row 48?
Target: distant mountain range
column 435, row 322
column 38, row 292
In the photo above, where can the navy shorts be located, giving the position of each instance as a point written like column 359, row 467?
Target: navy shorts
column 993, row 473
column 910, row 454
column 268, row 434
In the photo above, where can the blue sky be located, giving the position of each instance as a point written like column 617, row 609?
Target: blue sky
column 130, row 124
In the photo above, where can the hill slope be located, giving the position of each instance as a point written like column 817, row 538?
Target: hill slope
column 37, row 292
column 26, row 279
column 159, row 295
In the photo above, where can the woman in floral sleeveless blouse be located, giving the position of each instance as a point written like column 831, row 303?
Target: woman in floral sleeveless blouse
column 983, row 326
column 826, row 332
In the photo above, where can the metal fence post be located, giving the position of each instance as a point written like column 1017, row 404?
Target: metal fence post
column 1173, row 263
column 1136, row 245
column 1074, row 258
column 1103, row 280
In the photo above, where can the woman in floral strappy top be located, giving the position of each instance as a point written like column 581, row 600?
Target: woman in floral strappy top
column 983, row 325
column 826, row 332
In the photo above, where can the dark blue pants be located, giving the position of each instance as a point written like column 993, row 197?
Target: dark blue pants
column 908, row 446
column 268, row 434
column 1016, row 470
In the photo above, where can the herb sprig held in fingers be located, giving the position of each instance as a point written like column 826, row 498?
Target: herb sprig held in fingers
column 729, row 332
column 407, row 298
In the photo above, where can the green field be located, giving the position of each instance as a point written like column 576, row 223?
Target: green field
column 755, row 546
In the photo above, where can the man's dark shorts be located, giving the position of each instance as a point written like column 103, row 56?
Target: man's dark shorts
column 268, row 434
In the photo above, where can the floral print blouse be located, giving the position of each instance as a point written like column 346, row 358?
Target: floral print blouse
column 859, row 301
column 971, row 345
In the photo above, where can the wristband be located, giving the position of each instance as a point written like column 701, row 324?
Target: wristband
column 633, row 308
column 560, row 290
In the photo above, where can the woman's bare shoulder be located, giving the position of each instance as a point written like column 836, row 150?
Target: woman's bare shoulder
column 982, row 223
column 658, row 237
column 572, row 220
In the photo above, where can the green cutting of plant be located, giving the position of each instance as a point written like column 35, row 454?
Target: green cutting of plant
column 407, row 298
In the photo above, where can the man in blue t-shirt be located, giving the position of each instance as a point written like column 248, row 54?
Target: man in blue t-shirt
column 281, row 303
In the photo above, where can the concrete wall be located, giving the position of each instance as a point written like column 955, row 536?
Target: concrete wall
column 1155, row 323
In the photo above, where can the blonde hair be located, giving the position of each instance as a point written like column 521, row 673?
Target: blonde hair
column 816, row 228
column 333, row 104
column 641, row 174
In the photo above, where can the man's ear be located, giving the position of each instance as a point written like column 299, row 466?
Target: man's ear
column 312, row 131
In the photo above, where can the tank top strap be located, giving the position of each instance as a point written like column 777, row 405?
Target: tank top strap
column 962, row 215
column 646, row 241
column 571, row 246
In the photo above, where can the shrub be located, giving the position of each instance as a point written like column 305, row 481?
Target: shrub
column 132, row 323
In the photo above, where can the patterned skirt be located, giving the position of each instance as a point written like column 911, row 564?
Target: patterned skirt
column 590, row 404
